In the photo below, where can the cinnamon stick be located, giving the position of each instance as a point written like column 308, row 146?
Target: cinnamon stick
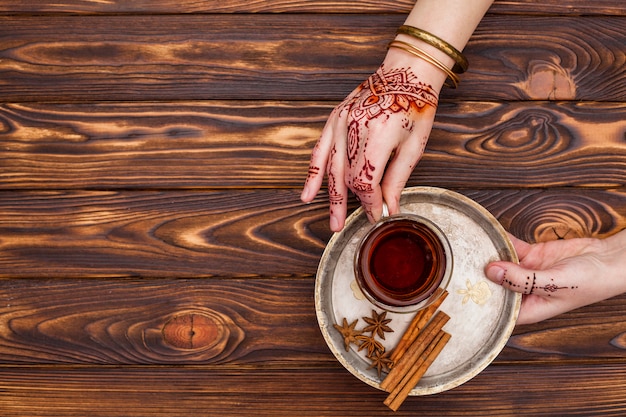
column 417, row 324
column 415, row 367
column 412, row 354
column 398, row 395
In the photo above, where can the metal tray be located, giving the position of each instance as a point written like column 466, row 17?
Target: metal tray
column 482, row 314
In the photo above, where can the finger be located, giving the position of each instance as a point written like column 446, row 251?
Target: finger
column 314, row 178
column 535, row 309
column 315, row 175
column 319, row 160
column 369, row 194
column 495, row 270
column 516, row 278
column 396, row 176
column 399, row 169
column 379, row 176
column 365, row 177
column 337, row 189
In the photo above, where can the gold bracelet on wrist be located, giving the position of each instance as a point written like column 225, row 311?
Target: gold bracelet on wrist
column 414, row 50
column 460, row 60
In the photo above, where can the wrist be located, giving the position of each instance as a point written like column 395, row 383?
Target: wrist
column 425, row 72
column 437, row 53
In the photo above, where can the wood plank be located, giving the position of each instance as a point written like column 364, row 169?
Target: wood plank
column 153, row 392
column 146, row 145
column 180, row 234
column 233, row 324
column 299, row 56
column 539, row 215
column 136, row 322
column 577, row 7
column 526, row 145
column 233, row 234
column 594, row 332
column 154, row 255
column 196, row 145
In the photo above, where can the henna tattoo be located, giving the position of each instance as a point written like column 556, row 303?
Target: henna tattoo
column 353, row 143
column 313, row 171
column 408, row 124
column 550, row 288
column 367, row 170
column 362, row 183
column 334, row 197
column 382, row 94
column 397, row 89
column 362, row 186
column 530, row 285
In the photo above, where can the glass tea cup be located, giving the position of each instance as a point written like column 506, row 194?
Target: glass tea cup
column 402, row 261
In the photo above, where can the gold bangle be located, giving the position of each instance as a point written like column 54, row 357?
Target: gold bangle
column 460, row 60
column 414, row 50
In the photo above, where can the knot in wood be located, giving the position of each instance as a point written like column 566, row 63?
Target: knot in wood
column 549, row 81
column 190, row 331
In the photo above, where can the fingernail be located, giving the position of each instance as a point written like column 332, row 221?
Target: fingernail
column 495, row 274
column 304, row 195
column 334, row 223
column 385, row 210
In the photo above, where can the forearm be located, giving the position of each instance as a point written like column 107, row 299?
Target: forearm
column 453, row 21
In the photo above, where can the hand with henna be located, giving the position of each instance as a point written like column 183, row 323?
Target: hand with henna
column 373, row 140
column 558, row 276
column 375, row 137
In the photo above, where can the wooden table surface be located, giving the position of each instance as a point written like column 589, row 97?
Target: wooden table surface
column 155, row 258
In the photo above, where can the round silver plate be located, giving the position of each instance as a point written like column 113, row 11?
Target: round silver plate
column 482, row 314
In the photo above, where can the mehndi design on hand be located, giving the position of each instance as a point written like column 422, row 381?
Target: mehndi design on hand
column 384, row 93
column 530, row 286
column 364, row 134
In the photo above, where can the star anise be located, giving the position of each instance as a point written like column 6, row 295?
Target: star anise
column 369, row 343
column 381, row 361
column 348, row 332
column 377, row 324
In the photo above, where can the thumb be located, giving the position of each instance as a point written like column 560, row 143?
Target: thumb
column 512, row 276
column 496, row 271
column 526, row 281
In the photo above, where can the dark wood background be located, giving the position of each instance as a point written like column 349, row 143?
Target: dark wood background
column 155, row 258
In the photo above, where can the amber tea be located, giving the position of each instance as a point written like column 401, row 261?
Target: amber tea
column 402, row 261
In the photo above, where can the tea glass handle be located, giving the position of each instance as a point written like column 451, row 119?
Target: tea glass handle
column 385, row 210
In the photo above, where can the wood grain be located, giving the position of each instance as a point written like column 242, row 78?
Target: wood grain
column 526, row 145
column 498, row 391
column 263, row 323
column 575, row 7
column 181, row 234
column 199, row 57
column 233, row 234
column 155, row 258
column 124, row 322
column 542, row 215
column 197, row 145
